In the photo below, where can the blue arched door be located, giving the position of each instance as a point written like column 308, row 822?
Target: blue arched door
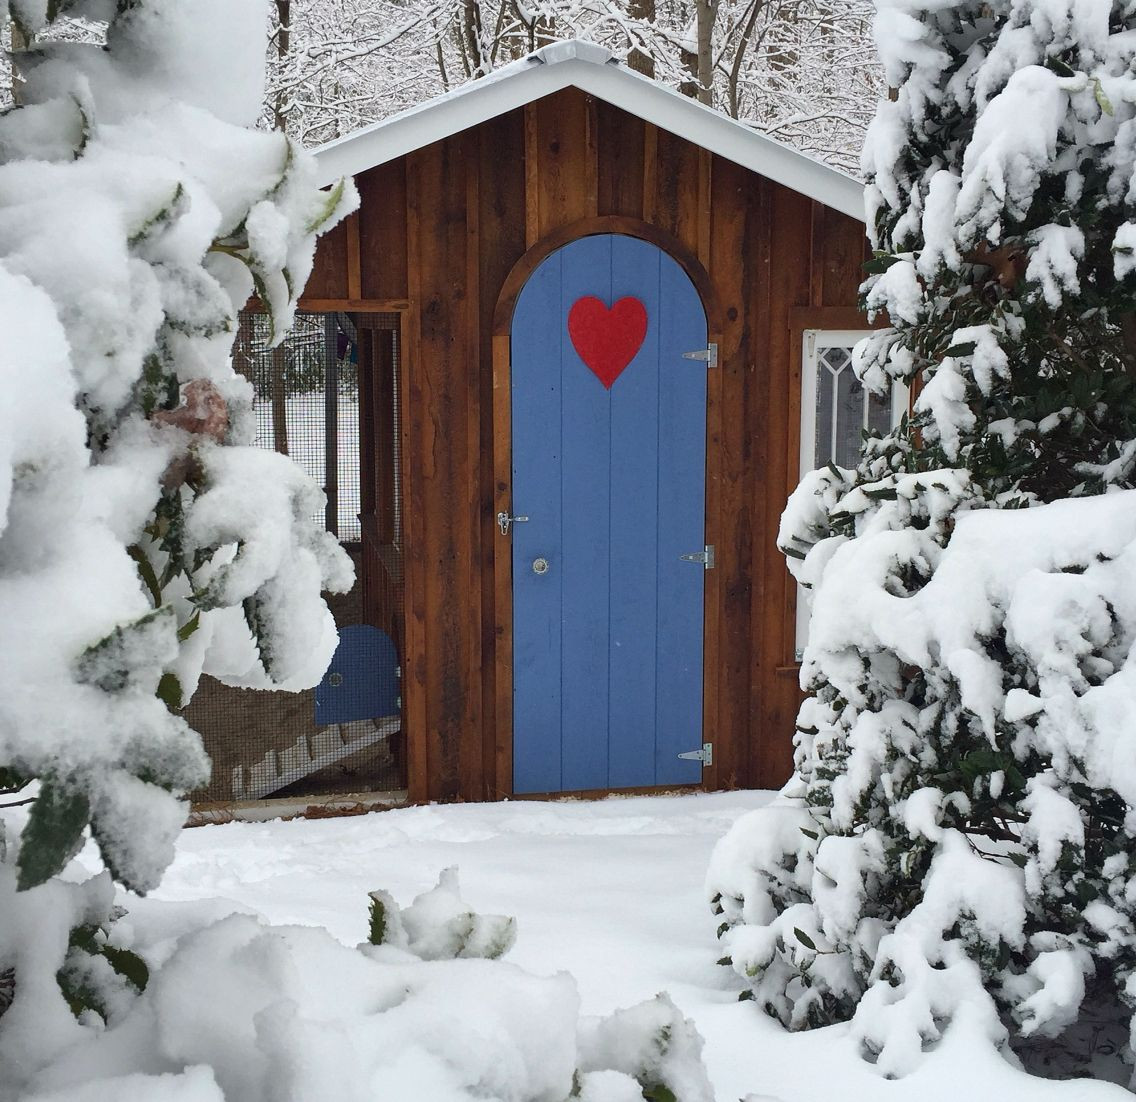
column 609, row 459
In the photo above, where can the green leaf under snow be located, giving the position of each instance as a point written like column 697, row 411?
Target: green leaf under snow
column 189, row 627
column 804, row 939
column 378, row 922
column 161, row 218
column 128, row 965
column 879, row 264
column 111, row 663
column 286, row 171
column 52, row 835
column 169, row 692
column 146, row 573
column 329, row 207
column 957, row 350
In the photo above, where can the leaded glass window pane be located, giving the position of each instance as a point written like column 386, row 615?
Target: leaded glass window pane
column 844, row 409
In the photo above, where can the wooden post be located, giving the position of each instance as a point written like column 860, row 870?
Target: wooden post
column 279, row 402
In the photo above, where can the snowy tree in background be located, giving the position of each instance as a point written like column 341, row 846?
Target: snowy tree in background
column 958, row 842
column 141, row 539
column 801, row 71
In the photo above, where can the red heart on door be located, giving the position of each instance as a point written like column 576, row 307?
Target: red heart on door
column 607, row 340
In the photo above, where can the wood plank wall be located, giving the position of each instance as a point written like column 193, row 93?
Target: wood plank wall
column 437, row 234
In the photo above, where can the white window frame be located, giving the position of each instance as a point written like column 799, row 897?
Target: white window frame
column 813, row 342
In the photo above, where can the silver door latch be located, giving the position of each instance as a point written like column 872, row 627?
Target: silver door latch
column 708, row 355
column 705, row 755
column 705, row 557
column 504, row 521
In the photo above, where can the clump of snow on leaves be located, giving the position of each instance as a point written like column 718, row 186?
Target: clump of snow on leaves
column 955, row 847
column 139, row 535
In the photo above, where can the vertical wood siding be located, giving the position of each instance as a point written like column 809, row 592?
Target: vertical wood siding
column 437, row 234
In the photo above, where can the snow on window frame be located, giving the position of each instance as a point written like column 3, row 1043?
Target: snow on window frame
column 813, row 343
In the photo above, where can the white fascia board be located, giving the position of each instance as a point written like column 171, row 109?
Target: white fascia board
column 472, row 104
column 531, row 79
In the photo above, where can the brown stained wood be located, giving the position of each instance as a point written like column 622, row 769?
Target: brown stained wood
column 619, row 153
column 329, row 268
column 735, row 260
column 355, row 305
column 705, row 169
column 532, row 175
column 650, row 171
column 501, row 236
column 712, row 776
column 279, row 401
column 382, row 231
column 471, row 754
column 609, row 223
column 676, row 188
column 354, row 275
column 414, row 687
column 839, row 252
column 502, row 572
column 774, row 594
column 438, row 181
column 564, row 187
column 382, row 570
column 831, row 317
column 816, row 248
column 591, row 158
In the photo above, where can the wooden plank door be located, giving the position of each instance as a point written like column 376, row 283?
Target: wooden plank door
column 607, row 617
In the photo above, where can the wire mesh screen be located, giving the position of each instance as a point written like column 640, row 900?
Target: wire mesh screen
column 328, row 398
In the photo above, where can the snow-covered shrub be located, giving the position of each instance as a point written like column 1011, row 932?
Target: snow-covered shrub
column 438, row 925
column 142, row 540
column 237, row 1009
column 958, row 842
column 649, row 1051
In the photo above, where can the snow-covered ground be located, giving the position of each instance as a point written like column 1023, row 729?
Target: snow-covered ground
column 610, row 891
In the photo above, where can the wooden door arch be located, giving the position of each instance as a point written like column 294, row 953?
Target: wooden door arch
column 678, row 258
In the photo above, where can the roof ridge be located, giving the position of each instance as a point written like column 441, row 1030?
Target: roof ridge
column 597, row 72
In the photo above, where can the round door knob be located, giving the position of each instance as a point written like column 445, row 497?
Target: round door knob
column 540, row 566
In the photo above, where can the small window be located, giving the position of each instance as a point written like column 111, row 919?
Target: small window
column 836, row 410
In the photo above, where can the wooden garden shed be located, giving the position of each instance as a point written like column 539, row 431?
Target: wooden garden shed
column 587, row 310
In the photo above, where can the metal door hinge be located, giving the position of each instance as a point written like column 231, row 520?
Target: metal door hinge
column 705, row 557
column 709, row 355
column 705, row 755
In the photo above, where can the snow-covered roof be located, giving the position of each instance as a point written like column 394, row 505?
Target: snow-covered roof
column 592, row 69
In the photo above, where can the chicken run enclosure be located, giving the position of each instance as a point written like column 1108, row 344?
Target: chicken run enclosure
column 324, row 397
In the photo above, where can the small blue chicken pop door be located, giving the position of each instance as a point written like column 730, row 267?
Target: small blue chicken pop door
column 609, row 461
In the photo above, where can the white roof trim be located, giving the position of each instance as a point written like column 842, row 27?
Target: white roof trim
column 592, row 69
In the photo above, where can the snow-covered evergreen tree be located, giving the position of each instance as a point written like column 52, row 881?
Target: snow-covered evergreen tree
column 958, row 842
column 141, row 539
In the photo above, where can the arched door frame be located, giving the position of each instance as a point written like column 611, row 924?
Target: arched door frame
column 502, row 772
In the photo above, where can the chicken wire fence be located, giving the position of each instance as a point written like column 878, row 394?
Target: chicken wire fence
column 328, row 398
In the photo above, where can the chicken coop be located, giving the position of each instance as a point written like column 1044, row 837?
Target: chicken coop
column 578, row 344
